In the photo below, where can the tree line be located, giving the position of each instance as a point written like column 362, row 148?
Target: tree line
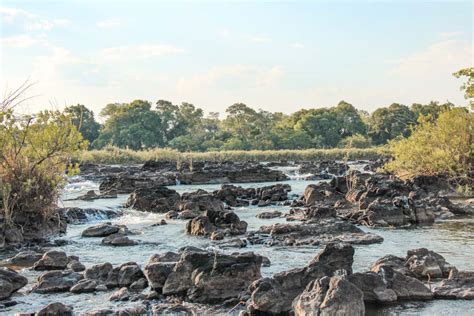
column 142, row 125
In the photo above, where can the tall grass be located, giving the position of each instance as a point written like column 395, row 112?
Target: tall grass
column 113, row 155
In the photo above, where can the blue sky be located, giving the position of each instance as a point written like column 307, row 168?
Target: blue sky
column 277, row 56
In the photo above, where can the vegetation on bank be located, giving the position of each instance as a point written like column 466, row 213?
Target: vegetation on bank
column 114, row 155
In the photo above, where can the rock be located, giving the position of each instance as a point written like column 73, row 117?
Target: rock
column 120, row 295
column 134, row 310
column 103, row 230
column 200, row 201
column 322, row 232
column 226, row 221
column 267, row 215
column 164, row 257
column 56, row 281
column 84, row 286
column 276, row 294
column 75, row 266
column 54, row 309
column 459, row 285
column 128, row 273
column 52, row 260
column 23, row 259
column 330, row 296
column 118, row 240
column 425, row 263
column 373, row 287
column 128, row 183
column 406, row 288
column 99, row 272
column 158, row 199
column 100, row 312
column 10, row 282
column 212, row 277
column 173, row 309
column 394, row 262
column 312, row 194
column 157, row 273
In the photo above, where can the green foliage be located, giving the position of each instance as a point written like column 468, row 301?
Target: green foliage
column 468, row 86
column 356, row 141
column 389, row 123
column 35, row 152
column 444, row 147
column 84, row 120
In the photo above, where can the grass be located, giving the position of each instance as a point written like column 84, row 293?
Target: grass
column 113, row 155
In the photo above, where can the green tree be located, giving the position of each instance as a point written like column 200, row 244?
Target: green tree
column 131, row 125
column 177, row 120
column 468, row 86
column 430, row 110
column 84, row 120
column 388, row 123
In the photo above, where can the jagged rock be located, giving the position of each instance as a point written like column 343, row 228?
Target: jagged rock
column 100, row 312
column 76, row 215
column 157, row 273
column 212, row 277
column 128, row 183
column 118, row 240
column 132, row 310
column 373, row 287
column 10, row 282
column 423, row 263
column 276, row 294
column 267, row 215
column 330, row 296
column 23, row 259
column 56, row 309
column 52, row 260
column 56, row 281
column 173, row 309
column 104, row 230
column 120, row 295
column 168, row 256
column 406, row 288
column 99, row 272
column 459, row 285
column 75, row 266
column 200, row 201
column 158, row 199
column 84, row 286
column 225, row 221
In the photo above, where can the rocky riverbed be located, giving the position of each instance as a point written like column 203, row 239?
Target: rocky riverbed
column 248, row 238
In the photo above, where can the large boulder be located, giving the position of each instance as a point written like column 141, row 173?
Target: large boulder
column 123, row 275
column 329, row 296
column 10, row 282
column 157, row 199
column 226, row 222
column 56, row 309
column 56, row 281
column 200, row 201
column 103, row 230
column 373, row 286
column 212, row 277
column 52, row 260
column 459, row 285
column 424, row 263
column 276, row 294
column 23, row 259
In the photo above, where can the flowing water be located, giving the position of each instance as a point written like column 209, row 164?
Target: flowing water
column 451, row 238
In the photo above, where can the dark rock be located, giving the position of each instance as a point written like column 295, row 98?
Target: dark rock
column 104, row 230
column 23, row 259
column 459, row 285
column 56, row 281
column 425, row 263
column 84, row 286
column 226, row 221
column 76, row 215
column 158, row 199
column 164, row 257
column 120, row 295
column 10, row 282
column 330, row 296
column 157, row 273
column 118, row 240
column 56, row 309
column 267, row 215
column 52, row 260
column 373, row 287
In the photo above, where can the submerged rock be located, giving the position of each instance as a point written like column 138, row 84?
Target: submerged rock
column 276, row 294
column 10, row 282
column 459, row 285
column 118, row 240
column 104, row 230
column 330, row 296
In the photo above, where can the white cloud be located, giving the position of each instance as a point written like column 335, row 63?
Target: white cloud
column 109, row 23
column 270, row 77
column 297, row 45
column 20, row 41
column 30, row 21
column 122, row 53
column 260, row 39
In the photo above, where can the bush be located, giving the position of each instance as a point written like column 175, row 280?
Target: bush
column 444, row 147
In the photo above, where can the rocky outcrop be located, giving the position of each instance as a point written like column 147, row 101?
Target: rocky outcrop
column 157, row 199
column 56, row 309
column 126, row 183
column 374, row 288
column 268, row 215
column 10, row 282
column 105, row 275
column 23, row 259
column 198, row 202
column 104, row 230
column 56, row 281
column 118, row 240
column 330, row 296
column 226, row 222
column 459, row 285
column 76, row 215
column 52, row 260
column 276, row 294
column 206, row 277
column 321, row 232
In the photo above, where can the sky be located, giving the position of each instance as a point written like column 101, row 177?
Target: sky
column 271, row 55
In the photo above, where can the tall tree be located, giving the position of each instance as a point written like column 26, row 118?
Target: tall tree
column 84, row 120
column 389, row 123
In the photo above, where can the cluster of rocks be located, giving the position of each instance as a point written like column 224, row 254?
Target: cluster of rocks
column 263, row 196
column 216, row 225
column 114, row 235
column 76, row 215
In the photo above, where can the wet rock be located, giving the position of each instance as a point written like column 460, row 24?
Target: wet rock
column 168, row 256
column 373, row 287
column 23, row 259
column 75, row 266
column 459, row 285
column 84, row 286
column 100, row 312
column 226, row 221
column 120, row 295
column 322, row 232
column 91, row 195
column 139, row 285
column 330, row 296
column 118, row 240
column 200, row 201
column 394, row 262
column 52, row 260
column 212, row 277
column 158, row 199
column 99, row 272
column 406, row 288
column 76, row 215
column 10, row 282
column 103, row 230
column 268, row 215
column 276, row 294
column 128, row 183
column 157, row 273
column 56, row 309
column 425, row 263
column 56, row 281
column 173, row 309
column 134, row 310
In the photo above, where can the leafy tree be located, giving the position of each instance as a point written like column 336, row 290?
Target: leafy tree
column 349, row 119
column 430, row 111
column 131, row 125
column 468, row 86
column 322, row 127
column 388, row 123
column 356, row 141
column 84, row 120
column 444, row 147
column 177, row 120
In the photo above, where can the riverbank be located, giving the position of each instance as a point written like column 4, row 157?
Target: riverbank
column 115, row 155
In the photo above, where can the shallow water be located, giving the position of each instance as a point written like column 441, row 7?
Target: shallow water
column 452, row 238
